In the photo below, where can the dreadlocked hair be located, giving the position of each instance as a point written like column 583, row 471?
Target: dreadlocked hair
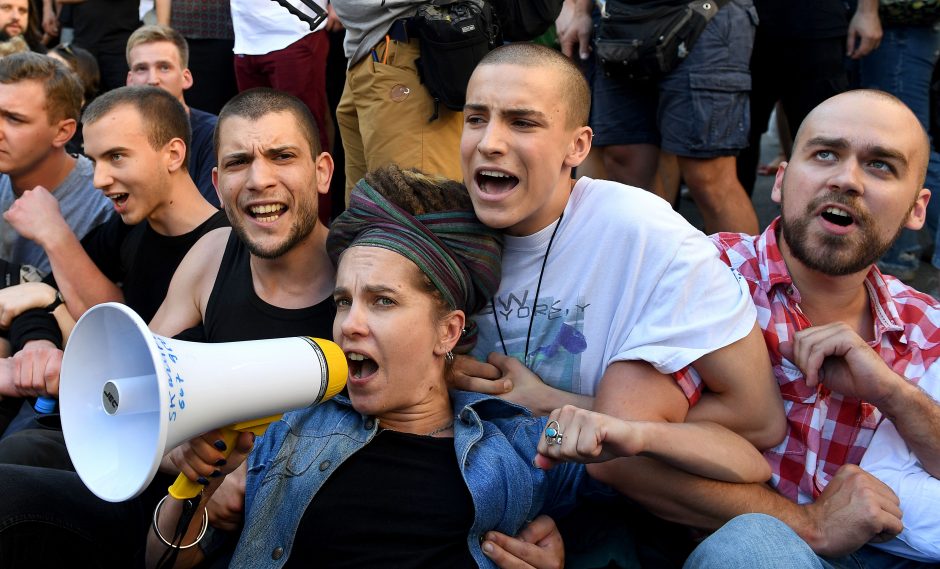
column 419, row 193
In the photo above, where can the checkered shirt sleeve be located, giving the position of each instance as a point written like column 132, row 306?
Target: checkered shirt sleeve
column 824, row 430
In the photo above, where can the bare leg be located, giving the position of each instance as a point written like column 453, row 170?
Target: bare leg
column 721, row 198
column 593, row 165
column 667, row 177
column 632, row 164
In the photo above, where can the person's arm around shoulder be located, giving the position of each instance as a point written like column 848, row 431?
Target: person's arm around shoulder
column 185, row 302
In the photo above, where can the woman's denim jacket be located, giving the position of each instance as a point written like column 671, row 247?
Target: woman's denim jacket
column 495, row 443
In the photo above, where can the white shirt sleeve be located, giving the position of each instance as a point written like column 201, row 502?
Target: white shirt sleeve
column 890, row 460
column 698, row 306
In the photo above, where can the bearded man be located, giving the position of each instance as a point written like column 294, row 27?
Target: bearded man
column 848, row 345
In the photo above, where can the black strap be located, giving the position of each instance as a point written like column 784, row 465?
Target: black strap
column 399, row 30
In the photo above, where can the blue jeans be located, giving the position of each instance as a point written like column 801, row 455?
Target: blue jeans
column 759, row 541
column 902, row 65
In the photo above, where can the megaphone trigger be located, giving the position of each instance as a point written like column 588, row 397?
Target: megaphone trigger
column 185, row 488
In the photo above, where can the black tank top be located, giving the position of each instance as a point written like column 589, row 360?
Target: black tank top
column 236, row 313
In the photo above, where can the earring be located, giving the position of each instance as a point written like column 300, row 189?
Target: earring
column 449, row 357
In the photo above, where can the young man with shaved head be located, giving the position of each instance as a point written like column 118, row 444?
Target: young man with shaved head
column 600, row 280
column 849, row 346
column 609, row 300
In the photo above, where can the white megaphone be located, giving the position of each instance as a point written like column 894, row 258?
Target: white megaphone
column 127, row 396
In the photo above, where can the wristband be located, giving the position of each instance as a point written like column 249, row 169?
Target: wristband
column 55, row 303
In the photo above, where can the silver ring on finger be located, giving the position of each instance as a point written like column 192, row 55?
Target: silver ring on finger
column 553, row 434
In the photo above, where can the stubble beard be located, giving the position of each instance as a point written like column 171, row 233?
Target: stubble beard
column 304, row 223
column 836, row 255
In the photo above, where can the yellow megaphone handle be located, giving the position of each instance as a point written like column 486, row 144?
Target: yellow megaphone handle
column 185, row 488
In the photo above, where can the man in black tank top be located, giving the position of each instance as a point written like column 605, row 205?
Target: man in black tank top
column 138, row 138
column 270, row 276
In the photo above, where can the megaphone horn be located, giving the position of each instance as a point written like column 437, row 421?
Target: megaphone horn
column 127, row 396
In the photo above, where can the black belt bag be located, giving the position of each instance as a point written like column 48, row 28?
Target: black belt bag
column 453, row 39
column 642, row 42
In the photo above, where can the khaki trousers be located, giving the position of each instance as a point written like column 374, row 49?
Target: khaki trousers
column 384, row 115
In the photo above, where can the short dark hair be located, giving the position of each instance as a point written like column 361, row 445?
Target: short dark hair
column 574, row 87
column 83, row 64
column 62, row 88
column 163, row 116
column 256, row 103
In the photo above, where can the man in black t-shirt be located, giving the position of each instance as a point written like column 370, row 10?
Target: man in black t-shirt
column 138, row 138
column 270, row 276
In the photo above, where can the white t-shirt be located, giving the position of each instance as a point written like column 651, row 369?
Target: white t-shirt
column 263, row 26
column 626, row 278
column 890, row 460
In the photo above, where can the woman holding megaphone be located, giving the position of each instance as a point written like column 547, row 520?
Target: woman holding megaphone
column 404, row 472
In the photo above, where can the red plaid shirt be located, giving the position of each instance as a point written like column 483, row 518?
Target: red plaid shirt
column 824, row 429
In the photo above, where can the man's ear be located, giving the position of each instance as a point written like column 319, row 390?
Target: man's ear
column 175, row 154
column 776, row 194
column 579, row 147
column 918, row 214
column 450, row 329
column 324, row 168
column 187, row 79
column 215, row 184
column 65, row 130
